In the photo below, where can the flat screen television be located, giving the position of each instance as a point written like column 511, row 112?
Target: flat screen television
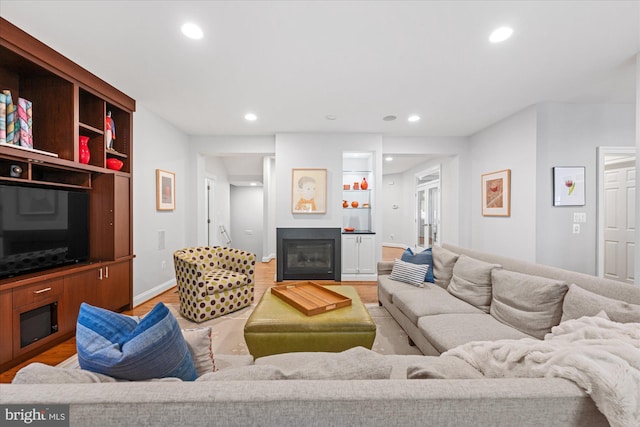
column 41, row 228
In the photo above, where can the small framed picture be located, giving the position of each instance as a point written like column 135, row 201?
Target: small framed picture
column 496, row 193
column 165, row 190
column 568, row 186
column 308, row 191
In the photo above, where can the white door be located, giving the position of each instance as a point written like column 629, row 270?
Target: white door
column 619, row 222
column 349, row 254
column 366, row 254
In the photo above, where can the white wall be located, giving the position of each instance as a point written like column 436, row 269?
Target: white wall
column 393, row 219
column 568, row 135
column 508, row 144
column 269, row 209
column 247, row 219
column 158, row 145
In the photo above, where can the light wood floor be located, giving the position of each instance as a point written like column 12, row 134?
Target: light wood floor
column 265, row 278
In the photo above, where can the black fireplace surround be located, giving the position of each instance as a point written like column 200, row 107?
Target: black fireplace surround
column 308, row 254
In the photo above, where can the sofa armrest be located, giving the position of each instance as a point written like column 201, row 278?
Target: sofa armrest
column 385, row 267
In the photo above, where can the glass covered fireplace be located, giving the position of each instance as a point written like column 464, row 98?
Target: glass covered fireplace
column 308, row 254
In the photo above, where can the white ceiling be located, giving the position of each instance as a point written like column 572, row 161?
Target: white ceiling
column 294, row 62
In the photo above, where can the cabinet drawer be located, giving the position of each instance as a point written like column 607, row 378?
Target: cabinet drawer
column 38, row 292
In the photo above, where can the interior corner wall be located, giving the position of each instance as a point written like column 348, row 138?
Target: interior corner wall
column 508, row 144
column 452, row 154
column 269, row 209
column 215, row 170
column 568, row 135
column 246, row 219
column 158, row 145
column 394, row 210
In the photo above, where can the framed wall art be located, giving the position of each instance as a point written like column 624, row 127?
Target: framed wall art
column 496, row 193
column 568, row 186
column 308, row 191
column 165, row 190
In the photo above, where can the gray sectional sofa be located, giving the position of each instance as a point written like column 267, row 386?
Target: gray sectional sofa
column 436, row 320
column 359, row 387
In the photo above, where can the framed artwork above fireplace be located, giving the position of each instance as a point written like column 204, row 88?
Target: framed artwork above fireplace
column 308, row 191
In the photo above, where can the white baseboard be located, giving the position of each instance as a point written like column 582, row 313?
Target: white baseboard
column 268, row 257
column 153, row 292
column 359, row 277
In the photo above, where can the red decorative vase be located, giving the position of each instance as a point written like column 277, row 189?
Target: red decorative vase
column 85, row 154
column 364, row 184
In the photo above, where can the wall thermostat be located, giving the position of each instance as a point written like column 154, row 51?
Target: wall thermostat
column 16, row 171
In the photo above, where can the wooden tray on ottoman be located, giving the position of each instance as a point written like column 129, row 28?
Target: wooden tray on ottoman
column 310, row 297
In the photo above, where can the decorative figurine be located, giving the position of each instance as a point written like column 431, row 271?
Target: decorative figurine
column 110, row 129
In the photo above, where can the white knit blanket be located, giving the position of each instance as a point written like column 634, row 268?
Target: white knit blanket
column 600, row 356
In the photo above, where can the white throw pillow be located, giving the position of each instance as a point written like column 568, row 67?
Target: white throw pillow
column 407, row 272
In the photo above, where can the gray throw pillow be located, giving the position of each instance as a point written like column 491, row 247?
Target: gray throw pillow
column 443, row 262
column 39, row 373
column 443, row 368
column 531, row 304
column 471, row 282
column 580, row 302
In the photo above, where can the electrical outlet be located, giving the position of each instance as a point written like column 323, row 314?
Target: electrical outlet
column 576, row 228
column 163, row 264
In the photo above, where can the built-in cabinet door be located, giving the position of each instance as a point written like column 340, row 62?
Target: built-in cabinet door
column 367, row 254
column 349, row 254
column 110, row 217
column 6, row 326
column 78, row 288
column 113, row 286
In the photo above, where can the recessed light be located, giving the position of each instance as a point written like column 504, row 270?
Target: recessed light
column 388, row 159
column 250, row 117
column 330, row 117
column 389, row 118
column 192, row 31
column 413, row 118
column 500, row 35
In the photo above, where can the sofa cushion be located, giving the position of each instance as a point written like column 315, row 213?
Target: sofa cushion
column 443, row 262
column 579, row 302
column 407, row 272
column 446, row 331
column 442, row 368
column 432, row 299
column 357, row 363
column 39, row 373
column 116, row 345
column 425, row 257
column 219, row 280
column 399, row 363
column 531, row 304
column 387, row 288
column 471, row 281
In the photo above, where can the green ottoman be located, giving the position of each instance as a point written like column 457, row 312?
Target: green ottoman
column 276, row 327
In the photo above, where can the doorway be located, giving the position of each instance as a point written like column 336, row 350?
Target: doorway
column 616, row 213
column 428, row 208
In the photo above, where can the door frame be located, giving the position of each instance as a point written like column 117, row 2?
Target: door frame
column 435, row 183
column 602, row 152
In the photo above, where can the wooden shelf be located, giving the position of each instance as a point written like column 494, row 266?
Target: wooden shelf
column 68, row 102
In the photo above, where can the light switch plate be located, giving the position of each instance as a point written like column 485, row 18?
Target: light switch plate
column 576, row 228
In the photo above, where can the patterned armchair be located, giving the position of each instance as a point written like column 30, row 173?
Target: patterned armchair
column 213, row 281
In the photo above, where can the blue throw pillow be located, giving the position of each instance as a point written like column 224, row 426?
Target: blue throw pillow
column 117, row 345
column 424, row 257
